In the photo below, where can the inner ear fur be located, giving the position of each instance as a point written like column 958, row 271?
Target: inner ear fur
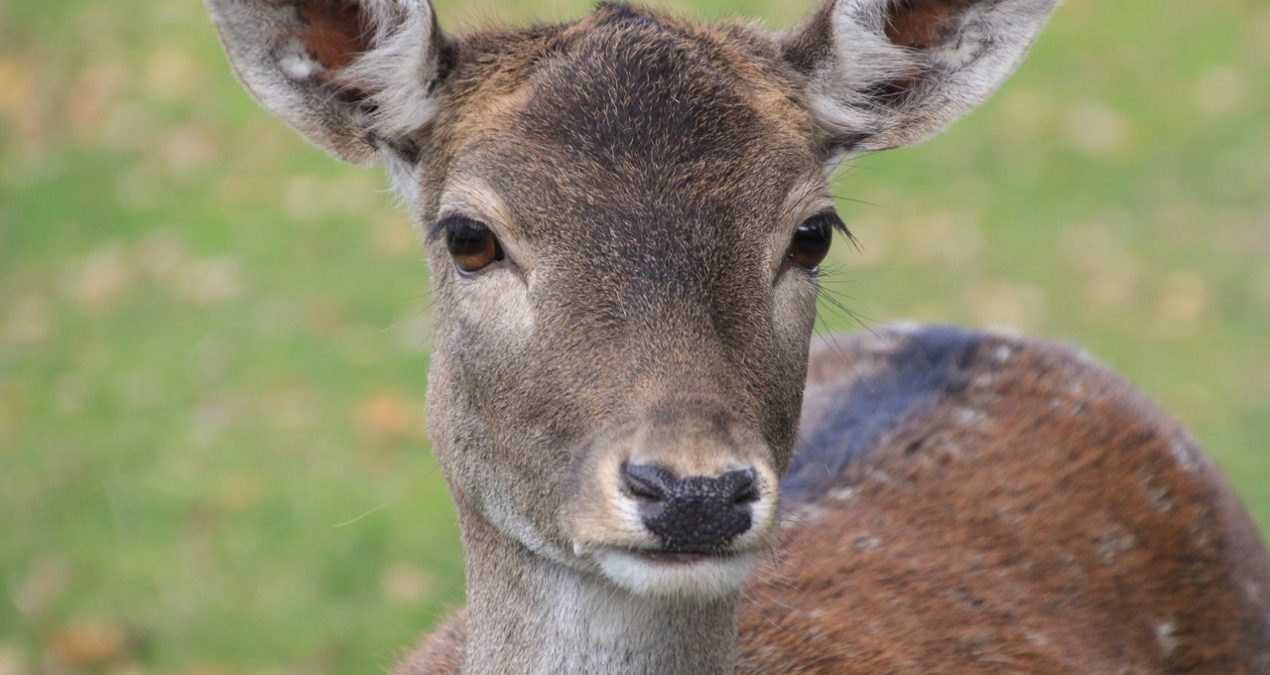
column 335, row 33
column 887, row 73
column 921, row 24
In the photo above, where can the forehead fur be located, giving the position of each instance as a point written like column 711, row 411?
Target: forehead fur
column 632, row 100
column 627, row 87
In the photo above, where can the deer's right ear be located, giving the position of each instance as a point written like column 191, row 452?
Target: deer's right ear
column 358, row 77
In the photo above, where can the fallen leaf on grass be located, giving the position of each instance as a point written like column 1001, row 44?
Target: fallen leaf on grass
column 391, row 416
column 92, row 642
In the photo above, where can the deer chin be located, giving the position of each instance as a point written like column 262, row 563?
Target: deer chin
column 676, row 575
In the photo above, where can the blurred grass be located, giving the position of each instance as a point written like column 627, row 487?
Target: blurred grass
column 213, row 340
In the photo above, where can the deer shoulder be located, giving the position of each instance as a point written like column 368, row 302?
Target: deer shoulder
column 969, row 502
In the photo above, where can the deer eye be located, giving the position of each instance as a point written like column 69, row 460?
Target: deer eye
column 812, row 239
column 471, row 243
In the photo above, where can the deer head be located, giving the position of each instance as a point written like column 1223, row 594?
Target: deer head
column 625, row 217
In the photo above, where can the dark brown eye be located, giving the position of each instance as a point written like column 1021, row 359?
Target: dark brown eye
column 812, row 239
column 471, row 243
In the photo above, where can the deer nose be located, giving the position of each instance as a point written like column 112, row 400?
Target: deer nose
column 695, row 514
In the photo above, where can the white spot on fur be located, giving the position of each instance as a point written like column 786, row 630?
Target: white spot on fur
column 299, row 66
column 1115, row 541
column 843, row 494
column 804, row 513
column 983, row 380
column 1185, row 454
column 866, row 543
column 1159, row 500
column 1037, row 639
column 1166, row 636
column 969, row 416
column 880, row 476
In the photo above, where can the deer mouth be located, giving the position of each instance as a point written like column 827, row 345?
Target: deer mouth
column 683, row 557
column 675, row 574
column 673, row 557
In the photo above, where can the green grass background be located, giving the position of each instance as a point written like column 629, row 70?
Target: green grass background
column 213, row 340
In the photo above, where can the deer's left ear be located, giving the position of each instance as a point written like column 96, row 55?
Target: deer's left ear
column 887, row 73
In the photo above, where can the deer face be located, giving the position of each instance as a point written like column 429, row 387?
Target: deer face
column 625, row 359
column 624, row 218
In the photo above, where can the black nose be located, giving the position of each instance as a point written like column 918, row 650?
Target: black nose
column 696, row 514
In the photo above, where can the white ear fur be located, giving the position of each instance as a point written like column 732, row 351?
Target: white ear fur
column 871, row 93
column 362, row 109
column 402, row 72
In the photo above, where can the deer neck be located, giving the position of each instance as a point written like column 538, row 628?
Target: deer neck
column 528, row 614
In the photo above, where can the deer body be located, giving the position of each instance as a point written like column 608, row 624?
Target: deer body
column 625, row 218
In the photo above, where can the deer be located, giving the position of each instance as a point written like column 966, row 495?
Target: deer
column 656, row 466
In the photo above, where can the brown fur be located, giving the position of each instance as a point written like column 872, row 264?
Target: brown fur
column 1046, row 519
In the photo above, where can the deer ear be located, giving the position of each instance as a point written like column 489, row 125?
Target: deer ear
column 357, row 77
column 888, row 73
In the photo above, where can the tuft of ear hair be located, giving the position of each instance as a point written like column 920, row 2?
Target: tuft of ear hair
column 358, row 77
column 888, row 73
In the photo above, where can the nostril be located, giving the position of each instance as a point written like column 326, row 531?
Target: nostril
column 740, row 486
column 648, row 482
